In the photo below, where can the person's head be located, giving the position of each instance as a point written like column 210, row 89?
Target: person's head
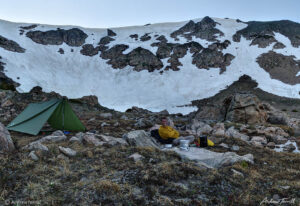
column 164, row 121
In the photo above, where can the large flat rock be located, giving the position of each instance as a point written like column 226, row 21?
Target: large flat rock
column 212, row 159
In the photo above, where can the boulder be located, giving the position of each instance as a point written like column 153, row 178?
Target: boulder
column 142, row 122
column 74, row 139
column 67, row 151
column 78, row 137
column 140, row 138
column 231, row 132
column 277, row 117
column 208, row 112
column 245, row 108
column 271, row 145
column 219, row 130
column 112, row 140
column 56, row 136
column 200, row 128
column 90, row 138
column 274, row 131
column 36, row 145
column 259, row 139
column 257, row 144
column 6, row 143
column 279, row 139
column 213, row 159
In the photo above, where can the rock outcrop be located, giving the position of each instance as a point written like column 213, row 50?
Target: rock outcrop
column 245, row 108
column 205, row 29
column 89, row 50
column 72, row 37
column 139, row 58
column 209, row 58
column 10, row 45
column 280, row 67
column 261, row 33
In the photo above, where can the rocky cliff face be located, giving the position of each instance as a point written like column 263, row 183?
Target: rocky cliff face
column 199, row 57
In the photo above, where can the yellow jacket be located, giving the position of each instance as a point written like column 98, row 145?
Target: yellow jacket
column 166, row 132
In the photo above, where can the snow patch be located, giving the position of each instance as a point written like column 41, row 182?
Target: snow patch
column 74, row 75
column 280, row 147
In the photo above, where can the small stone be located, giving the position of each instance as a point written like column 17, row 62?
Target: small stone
column 259, row 139
column 224, row 145
column 235, row 148
column 271, row 145
column 58, row 133
column 92, row 119
column 79, row 135
column 237, row 173
column 74, row 139
column 61, row 51
column 7, row 103
column 33, row 156
column 106, row 115
column 67, row 151
column 136, row 157
column 285, row 187
column 104, row 124
column 63, row 157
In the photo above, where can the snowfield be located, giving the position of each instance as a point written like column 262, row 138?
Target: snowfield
column 74, row 75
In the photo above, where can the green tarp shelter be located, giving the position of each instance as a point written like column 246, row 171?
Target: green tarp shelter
column 57, row 112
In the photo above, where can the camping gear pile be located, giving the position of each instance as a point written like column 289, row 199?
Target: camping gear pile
column 203, row 141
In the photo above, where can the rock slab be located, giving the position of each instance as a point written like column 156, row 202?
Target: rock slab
column 213, row 159
column 6, row 143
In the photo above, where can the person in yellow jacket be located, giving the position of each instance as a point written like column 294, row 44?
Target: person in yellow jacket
column 165, row 134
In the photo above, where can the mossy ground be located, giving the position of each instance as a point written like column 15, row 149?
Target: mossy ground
column 106, row 175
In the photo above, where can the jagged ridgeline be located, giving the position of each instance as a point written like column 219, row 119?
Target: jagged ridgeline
column 159, row 66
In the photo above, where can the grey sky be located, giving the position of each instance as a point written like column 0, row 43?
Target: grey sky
column 114, row 13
